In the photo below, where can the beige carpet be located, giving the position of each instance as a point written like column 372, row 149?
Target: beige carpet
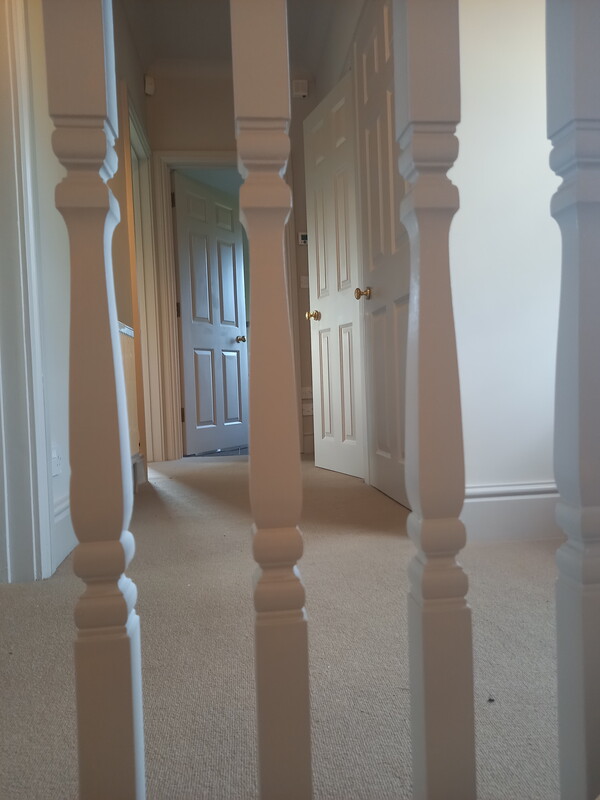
column 193, row 570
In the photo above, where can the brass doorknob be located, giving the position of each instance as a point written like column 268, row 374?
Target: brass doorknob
column 316, row 315
column 240, row 339
column 358, row 293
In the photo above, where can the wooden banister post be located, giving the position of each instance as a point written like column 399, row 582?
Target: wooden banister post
column 262, row 111
column 427, row 86
column 573, row 66
column 82, row 101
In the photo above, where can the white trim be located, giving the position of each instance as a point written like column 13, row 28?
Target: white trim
column 139, row 469
column 126, row 330
column 63, row 540
column 4, row 517
column 181, row 159
column 166, row 321
column 148, row 293
column 29, row 557
column 61, row 507
column 512, row 513
column 292, row 285
column 510, row 489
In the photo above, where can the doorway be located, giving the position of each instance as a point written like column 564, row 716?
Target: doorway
column 211, row 257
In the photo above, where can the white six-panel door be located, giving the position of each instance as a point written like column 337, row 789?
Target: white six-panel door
column 386, row 267
column 336, row 335
column 214, row 355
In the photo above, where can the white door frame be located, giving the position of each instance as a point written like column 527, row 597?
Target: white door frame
column 27, row 500
column 165, row 321
column 151, row 420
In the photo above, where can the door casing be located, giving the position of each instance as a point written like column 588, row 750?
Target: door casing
column 213, row 356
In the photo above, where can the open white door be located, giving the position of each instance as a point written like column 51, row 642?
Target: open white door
column 336, row 337
column 214, row 355
column 385, row 252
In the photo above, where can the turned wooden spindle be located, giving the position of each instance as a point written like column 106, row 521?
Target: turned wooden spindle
column 427, row 96
column 262, row 112
column 82, row 103
column 573, row 64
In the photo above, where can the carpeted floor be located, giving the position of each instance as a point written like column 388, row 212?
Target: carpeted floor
column 193, row 569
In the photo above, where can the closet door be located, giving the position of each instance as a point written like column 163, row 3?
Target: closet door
column 385, row 253
column 334, row 274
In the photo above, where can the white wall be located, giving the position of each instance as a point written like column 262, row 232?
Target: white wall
column 130, row 71
column 336, row 57
column 505, row 254
column 54, row 270
column 35, row 527
column 19, row 522
column 192, row 107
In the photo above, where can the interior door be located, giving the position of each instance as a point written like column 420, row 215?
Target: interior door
column 213, row 348
column 336, row 330
column 385, row 251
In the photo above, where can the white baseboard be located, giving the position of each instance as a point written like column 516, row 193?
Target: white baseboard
column 63, row 535
column 511, row 512
column 140, row 470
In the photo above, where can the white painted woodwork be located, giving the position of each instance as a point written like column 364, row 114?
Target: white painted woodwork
column 385, row 262
column 427, row 95
column 82, row 102
column 25, row 491
column 146, row 295
column 163, row 324
column 291, row 267
column 334, row 274
column 161, row 330
column 262, row 111
column 135, row 393
column 573, row 64
column 212, row 305
column 127, row 340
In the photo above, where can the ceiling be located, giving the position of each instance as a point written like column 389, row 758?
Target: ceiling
column 198, row 30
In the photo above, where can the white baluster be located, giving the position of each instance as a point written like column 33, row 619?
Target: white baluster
column 262, row 110
column 573, row 66
column 427, row 84
column 82, row 100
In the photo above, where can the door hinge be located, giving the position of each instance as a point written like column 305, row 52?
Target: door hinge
column 172, row 199
column 183, row 414
column 178, row 309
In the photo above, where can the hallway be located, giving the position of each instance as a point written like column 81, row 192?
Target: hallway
column 193, row 571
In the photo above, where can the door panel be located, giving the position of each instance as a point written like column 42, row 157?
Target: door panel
column 228, row 281
column 212, row 306
column 232, row 388
column 347, row 357
column 326, row 425
column 329, row 134
column 385, row 252
column 201, row 296
column 205, row 388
